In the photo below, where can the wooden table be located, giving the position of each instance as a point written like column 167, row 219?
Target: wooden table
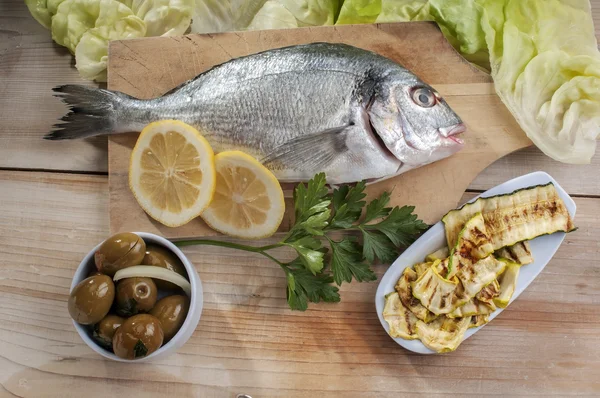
column 53, row 209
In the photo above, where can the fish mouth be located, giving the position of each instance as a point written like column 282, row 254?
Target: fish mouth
column 453, row 133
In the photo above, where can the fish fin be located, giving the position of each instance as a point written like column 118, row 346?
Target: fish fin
column 311, row 152
column 92, row 112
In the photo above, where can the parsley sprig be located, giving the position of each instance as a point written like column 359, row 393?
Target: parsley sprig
column 326, row 238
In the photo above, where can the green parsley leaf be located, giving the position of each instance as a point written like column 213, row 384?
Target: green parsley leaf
column 310, row 253
column 376, row 208
column 347, row 205
column 378, row 246
column 347, row 262
column 311, row 208
column 314, row 224
column 384, row 230
column 296, row 297
column 311, row 198
column 304, row 287
column 401, row 226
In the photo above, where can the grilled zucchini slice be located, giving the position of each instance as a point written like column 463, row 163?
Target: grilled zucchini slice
column 473, row 307
column 519, row 253
column 479, row 320
column 508, row 283
column 443, row 334
column 489, row 293
column 511, row 218
column 413, row 304
column 420, row 268
column 480, row 274
column 438, row 255
column 435, row 292
column 473, row 244
column 402, row 322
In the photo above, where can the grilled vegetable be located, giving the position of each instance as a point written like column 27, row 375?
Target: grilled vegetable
column 473, row 307
column 443, row 334
column 479, row 320
column 413, row 304
column 489, row 241
column 441, row 266
column 482, row 273
column 420, row 268
column 508, row 283
column 473, row 244
column 489, row 293
column 438, row 254
column 521, row 215
column 402, row 322
column 519, row 253
column 435, row 292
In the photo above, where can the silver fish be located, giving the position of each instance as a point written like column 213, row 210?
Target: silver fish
column 348, row 112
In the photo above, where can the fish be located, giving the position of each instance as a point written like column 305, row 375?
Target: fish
column 319, row 107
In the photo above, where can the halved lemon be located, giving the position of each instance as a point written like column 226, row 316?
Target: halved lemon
column 248, row 201
column 171, row 172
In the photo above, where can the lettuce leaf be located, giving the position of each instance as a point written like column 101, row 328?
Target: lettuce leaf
column 234, row 15
column 164, row 17
column 86, row 26
column 313, row 12
column 91, row 54
column 547, row 72
column 39, row 10
column 75, row 17
column 272, row 15
column 212, row 16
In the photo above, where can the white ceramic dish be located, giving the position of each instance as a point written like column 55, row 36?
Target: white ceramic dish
column 190, row 323
column 542, row 248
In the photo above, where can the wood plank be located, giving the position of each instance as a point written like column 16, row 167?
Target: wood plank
column 31, row 64
column 546, row 343
column 135, row 69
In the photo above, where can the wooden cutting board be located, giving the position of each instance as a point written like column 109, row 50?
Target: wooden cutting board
column 147, row 68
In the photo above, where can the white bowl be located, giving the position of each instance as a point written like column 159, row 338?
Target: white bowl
column 190, row 323
column 542, row 249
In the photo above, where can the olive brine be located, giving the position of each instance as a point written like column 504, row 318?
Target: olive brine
column 135, row 300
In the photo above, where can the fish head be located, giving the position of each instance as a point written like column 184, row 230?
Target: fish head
column 414, row 122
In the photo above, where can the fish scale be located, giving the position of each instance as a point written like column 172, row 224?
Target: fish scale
column 348, row 112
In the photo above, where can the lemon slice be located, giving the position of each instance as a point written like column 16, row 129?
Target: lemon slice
column 248, row 201
column 171, row 172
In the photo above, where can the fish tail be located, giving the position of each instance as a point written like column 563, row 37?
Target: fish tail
column 92, row 112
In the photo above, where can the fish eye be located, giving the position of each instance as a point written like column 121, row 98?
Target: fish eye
column 424, row 97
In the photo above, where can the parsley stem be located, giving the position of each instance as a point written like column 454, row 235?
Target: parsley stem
column 219, row 243
column 231, row 245
column 269, row 247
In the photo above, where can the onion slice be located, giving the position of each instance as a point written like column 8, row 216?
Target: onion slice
column 151, row 271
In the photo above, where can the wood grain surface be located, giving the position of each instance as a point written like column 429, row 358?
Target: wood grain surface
column 147, row 68
column 247, row 341
column 545, row 344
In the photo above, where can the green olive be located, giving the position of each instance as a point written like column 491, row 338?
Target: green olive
column 120, row 251
column 135, row 295
column 105, row 330
column 137, row 337
column 162, row 257
column 91, row 299
column 171, row 311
